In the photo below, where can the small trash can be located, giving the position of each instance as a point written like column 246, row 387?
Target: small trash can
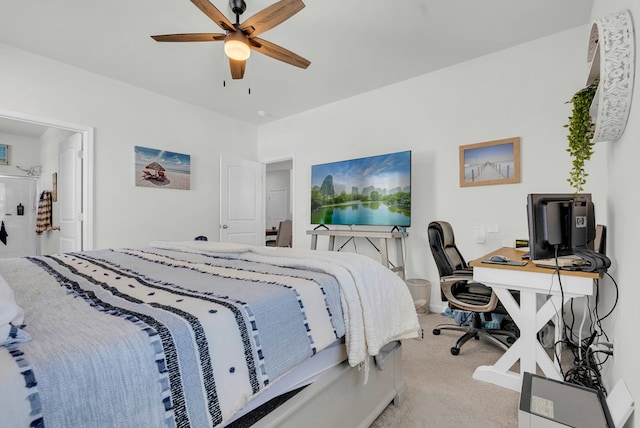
column 420, row 290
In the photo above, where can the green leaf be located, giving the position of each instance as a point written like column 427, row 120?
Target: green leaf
column 581, row 130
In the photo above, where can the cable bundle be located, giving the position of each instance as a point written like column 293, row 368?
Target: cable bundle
column 592, row 352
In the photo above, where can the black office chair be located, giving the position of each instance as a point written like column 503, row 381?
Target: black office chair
column 458, row 288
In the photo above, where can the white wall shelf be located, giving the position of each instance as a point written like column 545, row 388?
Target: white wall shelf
column 610, row 58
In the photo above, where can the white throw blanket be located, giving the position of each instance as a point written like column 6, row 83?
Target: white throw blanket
column 11, row 316
column 377, row 305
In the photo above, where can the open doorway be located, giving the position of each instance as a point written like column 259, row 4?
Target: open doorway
column 279, row 191
column 28, row 125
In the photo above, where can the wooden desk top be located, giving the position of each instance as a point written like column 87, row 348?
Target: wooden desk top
column 516, row 255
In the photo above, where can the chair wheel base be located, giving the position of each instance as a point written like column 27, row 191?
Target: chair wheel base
column 436, row 331
column 455, row 351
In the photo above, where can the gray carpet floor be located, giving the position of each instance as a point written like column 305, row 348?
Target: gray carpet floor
column 441, row 390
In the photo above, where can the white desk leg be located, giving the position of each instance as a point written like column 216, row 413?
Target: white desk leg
column 314, row 242
column 549, row 310
column 332, row 242
column 528, row 332
column 527, row 349
column 500, row 373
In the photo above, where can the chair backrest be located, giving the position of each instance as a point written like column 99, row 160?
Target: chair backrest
column 284, row 234
column 443, row 247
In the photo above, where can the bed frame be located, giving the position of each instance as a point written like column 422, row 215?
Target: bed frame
column 340, row 397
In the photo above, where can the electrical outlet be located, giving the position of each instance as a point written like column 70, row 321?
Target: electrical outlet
column 479, row 233
column 605, row 347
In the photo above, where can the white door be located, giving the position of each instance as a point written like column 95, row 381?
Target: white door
column 277, row 207
column 70, row 193
column 241, row 201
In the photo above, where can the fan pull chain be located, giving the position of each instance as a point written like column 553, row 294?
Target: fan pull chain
column 225, row 68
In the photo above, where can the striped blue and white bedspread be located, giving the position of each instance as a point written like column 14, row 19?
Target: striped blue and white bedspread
column 156, row 337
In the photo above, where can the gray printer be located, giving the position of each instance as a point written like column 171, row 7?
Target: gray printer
column 548, row 403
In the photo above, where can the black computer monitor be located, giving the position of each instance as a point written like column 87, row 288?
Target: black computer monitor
column 559, row 224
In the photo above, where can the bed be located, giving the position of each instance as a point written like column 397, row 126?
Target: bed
column 200, row 334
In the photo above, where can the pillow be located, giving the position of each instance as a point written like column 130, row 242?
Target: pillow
column 11, row 317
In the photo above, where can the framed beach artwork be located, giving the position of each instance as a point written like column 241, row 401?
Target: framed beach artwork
column 491, row 162
column 162, row 169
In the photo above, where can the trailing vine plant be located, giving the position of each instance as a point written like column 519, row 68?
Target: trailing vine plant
column 581, row 130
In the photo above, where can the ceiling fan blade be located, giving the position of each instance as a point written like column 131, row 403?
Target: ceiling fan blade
column 237, row 68
column 277, row 52
column 271, row 16
column 192, row 37
column 214, row 14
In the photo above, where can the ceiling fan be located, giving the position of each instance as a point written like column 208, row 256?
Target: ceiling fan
column 240, row 38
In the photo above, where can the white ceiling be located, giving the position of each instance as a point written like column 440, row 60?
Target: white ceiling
column 25, row 129
column 354, row 46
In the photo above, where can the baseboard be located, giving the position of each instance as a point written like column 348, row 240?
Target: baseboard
column 438, row 308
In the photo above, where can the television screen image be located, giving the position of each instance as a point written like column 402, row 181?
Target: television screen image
column 373, row 191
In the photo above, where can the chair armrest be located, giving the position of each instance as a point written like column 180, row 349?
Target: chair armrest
column 459, row 275
column 446, row 285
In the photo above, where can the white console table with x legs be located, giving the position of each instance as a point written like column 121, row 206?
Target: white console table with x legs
column 529, row 314
column 382, row 236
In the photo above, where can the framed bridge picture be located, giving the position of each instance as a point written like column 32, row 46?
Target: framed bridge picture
column 491, row 162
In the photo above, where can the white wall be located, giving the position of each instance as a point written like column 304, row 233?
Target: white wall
column 23, row 152
column 517, row 92
column 125, row 116
column 624, row 234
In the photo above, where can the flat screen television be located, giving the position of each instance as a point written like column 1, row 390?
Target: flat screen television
column 559, row 224
column 372, row 191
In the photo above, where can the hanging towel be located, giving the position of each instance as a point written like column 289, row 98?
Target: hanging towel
column 3, row 234
column 44, row 213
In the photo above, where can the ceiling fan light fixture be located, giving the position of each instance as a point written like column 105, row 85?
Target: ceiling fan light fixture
column 235, row 47
column 241, row 38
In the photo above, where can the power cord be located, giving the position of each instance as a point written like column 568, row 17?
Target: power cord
column 587, row 365
column 591, row 353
